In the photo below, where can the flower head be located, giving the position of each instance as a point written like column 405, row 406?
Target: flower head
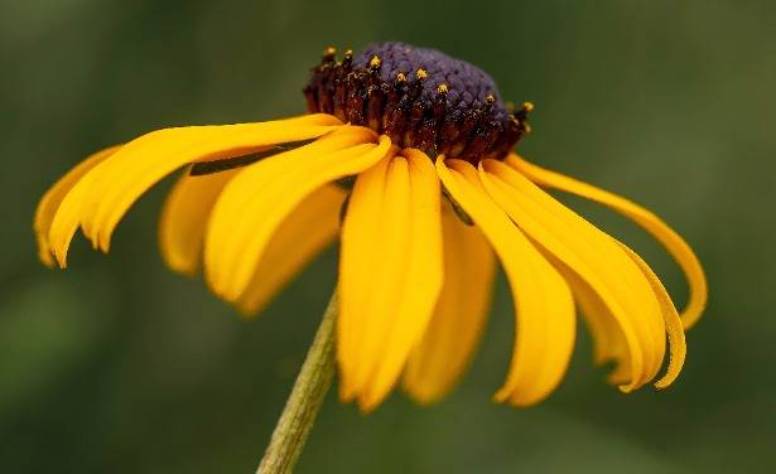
column 420, row 98
column 439, row 197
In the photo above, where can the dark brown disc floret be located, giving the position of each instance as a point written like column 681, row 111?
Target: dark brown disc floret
column 420, row 98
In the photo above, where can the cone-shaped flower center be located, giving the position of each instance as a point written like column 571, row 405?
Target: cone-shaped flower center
column 420, row 98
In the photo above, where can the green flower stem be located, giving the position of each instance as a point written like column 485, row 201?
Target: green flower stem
column 306, row 398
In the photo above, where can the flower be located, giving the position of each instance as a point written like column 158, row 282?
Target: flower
column 439, row 197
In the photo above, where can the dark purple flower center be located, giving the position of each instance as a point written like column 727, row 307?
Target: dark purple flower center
column 419, row 97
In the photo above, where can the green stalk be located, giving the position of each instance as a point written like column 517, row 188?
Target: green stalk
column 305, row 401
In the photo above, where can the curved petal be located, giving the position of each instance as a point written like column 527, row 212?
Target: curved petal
column 451, row 337
column 391, row 272
column 311, row 227
column 609, row 343
column 673, row 242
column 545, row 321
column 113, row 185
column 184, row 219
column 594, row 256
column 674, row 327
column 51, row 201
column 256, row 201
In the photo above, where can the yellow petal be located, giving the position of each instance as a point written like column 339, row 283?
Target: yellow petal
column 672, row 241
column 391, row 272
column 451, row 337
column 312, row 226
column 68, row 216
column 141, row 163
column 358, row 266
column 674, row 327
column 255, row 202
column 50, row 202
column 544, row 308
column 257, row 177
column 594, row 256
column 609, row 343
column 184, row 218
column 382, row 264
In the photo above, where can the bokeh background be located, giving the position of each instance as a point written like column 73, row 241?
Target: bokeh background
column 118, row 365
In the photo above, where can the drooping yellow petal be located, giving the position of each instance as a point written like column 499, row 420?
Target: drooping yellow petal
column 102, row 196
column 388, row 249
column 451, row 337
column 50, row 202
column 391, row 273
column 594, row 256
column 255, row 202
column 673, row 242
column 184, row 219
column 609, row 343
column 676, row 340
column 421, row 282
column 312, row 226
column 358, row 267
column 545, row 321
column 141, row 163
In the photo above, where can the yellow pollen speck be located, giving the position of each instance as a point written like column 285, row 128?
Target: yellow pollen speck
column 421, row 73
column 528, row 106
column 375, row 62
column 442, row 88
column 527, row 128
column 401, row 77
column 329, row 51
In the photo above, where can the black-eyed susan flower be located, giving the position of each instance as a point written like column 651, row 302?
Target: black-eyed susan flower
column 438, row 198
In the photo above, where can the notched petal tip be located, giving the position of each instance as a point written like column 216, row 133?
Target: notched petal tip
column 516, row 399
column 369, row 403
column 53, row 231
column 424, row 399
column 47, row 260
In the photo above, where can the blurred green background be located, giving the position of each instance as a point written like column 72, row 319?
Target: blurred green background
column 118, row 365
